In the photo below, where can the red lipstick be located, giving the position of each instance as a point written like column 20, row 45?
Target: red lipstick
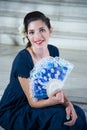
column 39, row 42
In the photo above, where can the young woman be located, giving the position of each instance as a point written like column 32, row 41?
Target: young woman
column 18, row 111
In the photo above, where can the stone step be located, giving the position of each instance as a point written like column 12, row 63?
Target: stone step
column 74, row 28
column 59, row 11
column 68, row 18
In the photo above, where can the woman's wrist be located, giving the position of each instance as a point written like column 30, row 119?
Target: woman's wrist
column 67, row 103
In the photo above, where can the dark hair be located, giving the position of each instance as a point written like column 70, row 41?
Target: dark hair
column 35, row 15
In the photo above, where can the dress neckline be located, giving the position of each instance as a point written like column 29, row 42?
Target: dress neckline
column 31, row 56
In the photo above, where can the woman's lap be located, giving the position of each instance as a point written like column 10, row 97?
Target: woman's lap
column 44, row 119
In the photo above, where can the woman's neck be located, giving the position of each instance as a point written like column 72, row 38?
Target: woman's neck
column 38, row 54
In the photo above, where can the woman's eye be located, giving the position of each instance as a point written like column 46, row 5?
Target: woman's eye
column 31, row 32
column 42, row 30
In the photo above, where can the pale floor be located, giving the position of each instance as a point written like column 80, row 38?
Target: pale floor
column 76, row 84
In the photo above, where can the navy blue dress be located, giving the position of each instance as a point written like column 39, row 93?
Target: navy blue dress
column 17, row 114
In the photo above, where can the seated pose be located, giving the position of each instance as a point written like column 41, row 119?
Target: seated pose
column 18, row 110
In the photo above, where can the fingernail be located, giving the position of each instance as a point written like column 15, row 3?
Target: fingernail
column 67, row 117
column 65, row 123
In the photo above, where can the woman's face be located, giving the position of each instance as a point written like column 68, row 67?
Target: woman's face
column 38, row 34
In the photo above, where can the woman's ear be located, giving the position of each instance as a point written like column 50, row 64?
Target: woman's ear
column 26, row 34
column 51, row 30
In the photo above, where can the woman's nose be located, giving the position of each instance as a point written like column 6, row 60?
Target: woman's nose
column 38, row 35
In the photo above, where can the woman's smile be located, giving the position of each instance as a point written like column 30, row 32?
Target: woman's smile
column 39, row 42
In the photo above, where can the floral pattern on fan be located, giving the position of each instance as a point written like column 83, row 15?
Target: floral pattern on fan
column 48, row 75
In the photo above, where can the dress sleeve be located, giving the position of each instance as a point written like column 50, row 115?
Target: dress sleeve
column 22, row 65
column 54, row 51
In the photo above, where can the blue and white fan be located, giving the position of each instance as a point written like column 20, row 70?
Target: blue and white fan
column 48, row 75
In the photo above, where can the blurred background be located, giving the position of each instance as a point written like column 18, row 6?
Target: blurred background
column 69, row 22
column 68, row 19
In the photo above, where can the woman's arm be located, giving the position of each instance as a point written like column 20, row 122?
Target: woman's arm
column 52, row 100
column 70, row 112
column 55, row 98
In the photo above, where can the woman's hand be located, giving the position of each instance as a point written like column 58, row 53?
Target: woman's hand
column 57, row 97
column 70, row 113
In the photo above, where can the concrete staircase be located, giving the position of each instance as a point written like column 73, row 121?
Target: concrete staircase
column 68, row 19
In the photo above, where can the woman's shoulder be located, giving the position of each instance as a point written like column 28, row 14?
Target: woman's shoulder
column 52, row 46
column 54, row 51
column 22, row 53
column 21, row 56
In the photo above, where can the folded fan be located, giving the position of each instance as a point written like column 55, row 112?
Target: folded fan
column 48, row 75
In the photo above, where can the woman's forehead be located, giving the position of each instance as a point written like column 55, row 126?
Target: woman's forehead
column 36, row 24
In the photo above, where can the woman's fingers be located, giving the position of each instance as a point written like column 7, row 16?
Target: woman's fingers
column 60, row 96
column 70, row 123
column 54, row 93
column 70, row 113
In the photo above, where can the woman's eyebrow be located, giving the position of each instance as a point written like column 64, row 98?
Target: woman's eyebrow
column 30, row 30
column 42, row 28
